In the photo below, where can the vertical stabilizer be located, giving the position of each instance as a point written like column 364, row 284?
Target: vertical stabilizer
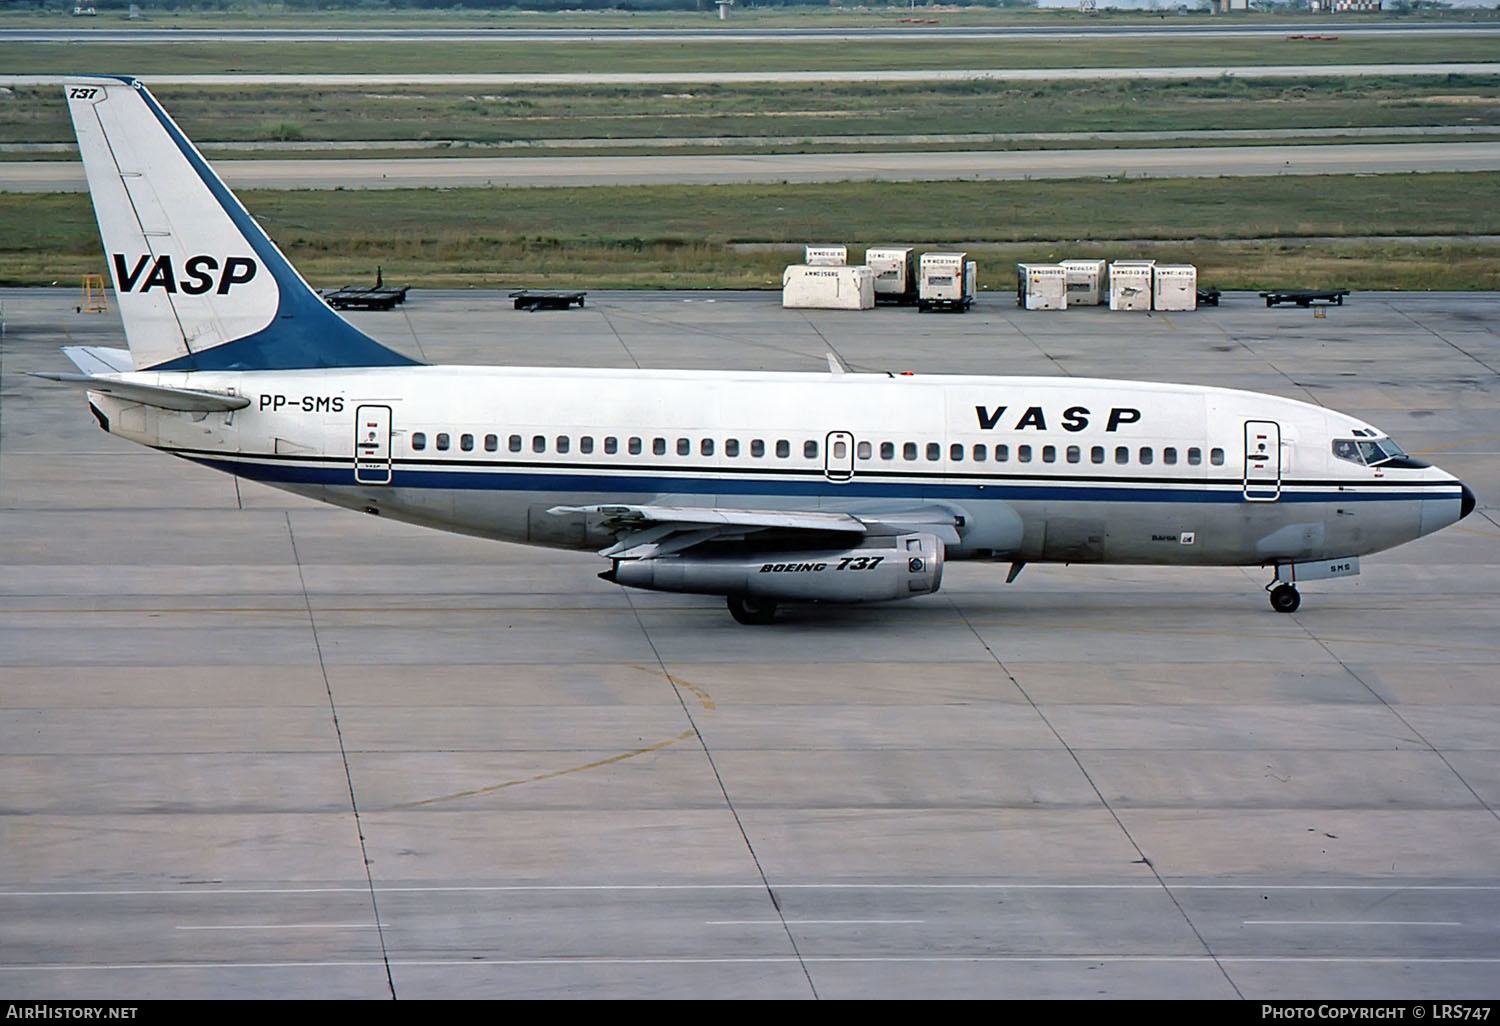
column 200, row 286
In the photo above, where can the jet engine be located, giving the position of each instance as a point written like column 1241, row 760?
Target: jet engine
column 882, row 568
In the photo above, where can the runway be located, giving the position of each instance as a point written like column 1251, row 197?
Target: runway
column 259, row 747
column 716, row 169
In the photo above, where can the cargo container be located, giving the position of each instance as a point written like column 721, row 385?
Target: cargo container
column 1086, row 281
column 1130, row 284
column 1174, row 287
column 946, row 281
column 828, row 288
column 825, row 256
column 1041, row 286
column 895, row 270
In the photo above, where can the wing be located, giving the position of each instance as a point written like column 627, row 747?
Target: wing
column 644, row 532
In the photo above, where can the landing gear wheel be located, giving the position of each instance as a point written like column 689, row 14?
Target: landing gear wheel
column 751, row 611
column 1285, row 598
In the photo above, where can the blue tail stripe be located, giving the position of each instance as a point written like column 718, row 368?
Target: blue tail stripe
column 306, row 334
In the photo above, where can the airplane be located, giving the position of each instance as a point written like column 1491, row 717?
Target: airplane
column 763, row 488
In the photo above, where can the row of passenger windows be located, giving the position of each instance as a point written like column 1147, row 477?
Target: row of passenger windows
column 442, row 441
column 979, row 452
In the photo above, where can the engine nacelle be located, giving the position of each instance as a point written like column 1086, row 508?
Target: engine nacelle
column 879, row 570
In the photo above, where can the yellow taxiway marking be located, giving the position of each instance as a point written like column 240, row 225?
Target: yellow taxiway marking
column 556, row 773
column 1454, row 445
column 703, row 698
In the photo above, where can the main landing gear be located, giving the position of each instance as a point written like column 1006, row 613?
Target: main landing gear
column 751, row 611
column 1284, row 597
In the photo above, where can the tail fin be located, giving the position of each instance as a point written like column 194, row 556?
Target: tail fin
column 199, row 284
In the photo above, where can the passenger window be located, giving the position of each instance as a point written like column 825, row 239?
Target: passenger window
column 980, row 452
column 909, row 451
column 1002, row 454
column 538, row 443
column 658, row 446
column 934, row 451
column 466, row 442
column 442, row 440
column 956, row 452
column 586, row 444
column 864, row 450
column 1023, row 454
column 1216, row 457
column 491, row 443
column 515, row 443
column 1122, row 454
column 1169, row 456
column 634, row 445
column 563, row 443
column 757, row 447
column 684, row 447
column 1195, row 456
column 887, row 450
column 783, row 448
column 1049, row 454
column 810, row 449
column 1074, row 454
column 731, row 447
column 1096, row 454
column 419, row 440
column 706, row 447
column 1146, row 455
column 611, row 445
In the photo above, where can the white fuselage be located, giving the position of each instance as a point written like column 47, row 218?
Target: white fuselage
column 1036, row 469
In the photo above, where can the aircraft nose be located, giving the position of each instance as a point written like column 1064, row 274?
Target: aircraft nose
column 1467, row 503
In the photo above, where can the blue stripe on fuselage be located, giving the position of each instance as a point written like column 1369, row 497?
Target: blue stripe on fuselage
column 1223, row 490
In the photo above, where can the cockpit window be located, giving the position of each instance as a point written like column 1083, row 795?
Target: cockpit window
column 1371, row 452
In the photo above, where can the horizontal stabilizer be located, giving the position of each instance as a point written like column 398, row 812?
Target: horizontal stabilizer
column 185, row 399
column 99, row 359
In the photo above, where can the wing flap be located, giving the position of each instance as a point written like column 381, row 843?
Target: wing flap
column 757, row 519
column 643, row 532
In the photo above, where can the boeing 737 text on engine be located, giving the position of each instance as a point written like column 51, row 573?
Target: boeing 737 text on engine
column 763, row 488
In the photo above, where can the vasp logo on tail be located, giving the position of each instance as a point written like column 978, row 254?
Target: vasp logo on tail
column 198, row 276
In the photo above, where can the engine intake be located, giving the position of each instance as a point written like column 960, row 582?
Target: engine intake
column 879, row 570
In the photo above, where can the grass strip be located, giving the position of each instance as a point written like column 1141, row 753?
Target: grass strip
column 1242, row 233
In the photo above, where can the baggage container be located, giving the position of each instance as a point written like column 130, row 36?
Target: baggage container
column 826, row 256
column 1042, row 286
column 895, row 270
column 828, row 288
column 946, row 281
column 1086, row 281
column 1174, row 287
column 1130, row 284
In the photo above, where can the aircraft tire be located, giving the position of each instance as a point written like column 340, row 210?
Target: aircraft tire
column 751, row 611
column 1285, row 598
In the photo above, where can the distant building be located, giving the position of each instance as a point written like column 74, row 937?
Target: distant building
column 1340, row 6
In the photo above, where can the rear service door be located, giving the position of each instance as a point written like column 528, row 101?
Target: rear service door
column 1262, row 460
column 372, row 445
